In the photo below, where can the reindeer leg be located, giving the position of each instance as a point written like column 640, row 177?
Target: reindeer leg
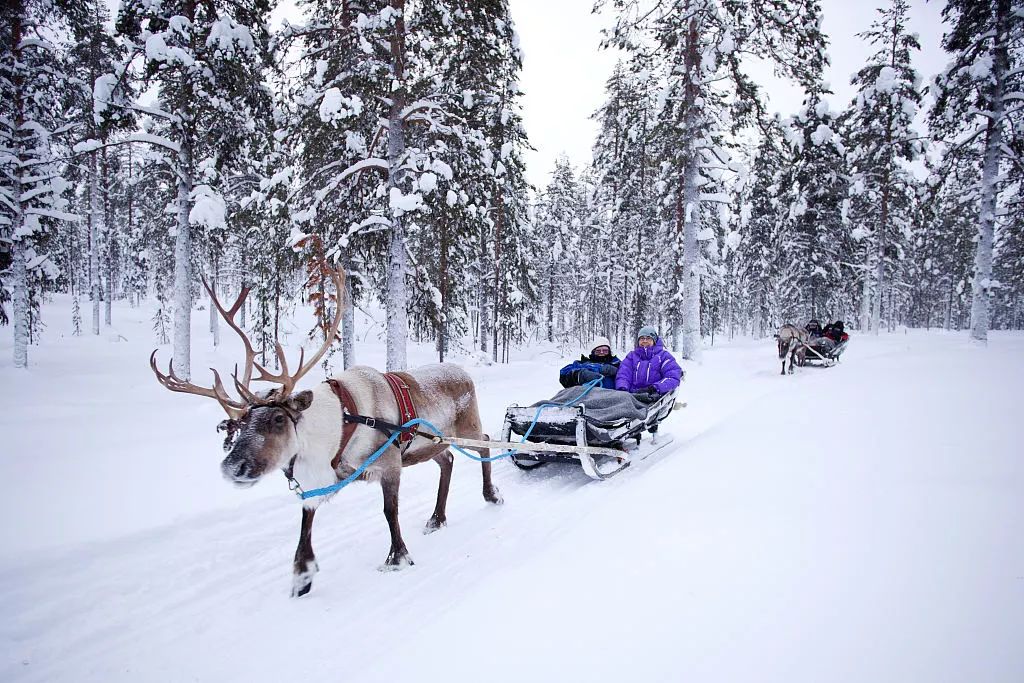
column 305, row 567
column 491, row 492
column 437, row 520
column 398, row 557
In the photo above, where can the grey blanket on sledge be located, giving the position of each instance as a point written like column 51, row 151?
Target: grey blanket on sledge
column 604, row 405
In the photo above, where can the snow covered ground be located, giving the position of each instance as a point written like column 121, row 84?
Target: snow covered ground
column 859, row 523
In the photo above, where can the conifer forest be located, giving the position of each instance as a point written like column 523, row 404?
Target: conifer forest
column 149, row 145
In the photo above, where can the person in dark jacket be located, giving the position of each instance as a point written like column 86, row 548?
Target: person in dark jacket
column 833, row 339
column 837, row 332
column 601, row 363
column 649, row 370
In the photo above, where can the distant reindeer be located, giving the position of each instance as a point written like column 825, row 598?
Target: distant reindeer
column 792, row 342
column 320, row 436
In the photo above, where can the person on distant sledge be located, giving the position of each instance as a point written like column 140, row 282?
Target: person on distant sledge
column 833, row 338
column 831, row 342
column 600, row 364
column 837, row 332
column 649, row 371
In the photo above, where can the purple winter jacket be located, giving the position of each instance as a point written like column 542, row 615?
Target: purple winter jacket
column 644, row 368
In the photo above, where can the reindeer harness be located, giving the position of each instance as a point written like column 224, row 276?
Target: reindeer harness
column 351, row 419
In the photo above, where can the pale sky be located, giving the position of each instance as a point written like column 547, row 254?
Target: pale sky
column 564, row 72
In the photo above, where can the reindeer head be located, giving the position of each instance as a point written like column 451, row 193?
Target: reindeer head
column 783, row 344
column 264, row 439
column 261, row 427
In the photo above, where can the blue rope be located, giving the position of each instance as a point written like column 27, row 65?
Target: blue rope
column 327, row 490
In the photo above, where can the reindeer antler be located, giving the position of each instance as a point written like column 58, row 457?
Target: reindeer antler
column 286, row 380
column 234, row 409
column 237, row 409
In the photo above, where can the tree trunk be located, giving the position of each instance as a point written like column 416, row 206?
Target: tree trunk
column 19, row 291
column 19, row 272
column 108, row 241
column 485, row 320
column 214, row 318
column 348, row 331
column 981, row 285
column 690, row 318
column 499, row 298
column 442, row 275
column 183, row 271
column 876, row 307
column 865, row 296
column 398, row 322
column 95, row 233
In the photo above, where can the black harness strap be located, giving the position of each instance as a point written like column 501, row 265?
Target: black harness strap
column 388, row 428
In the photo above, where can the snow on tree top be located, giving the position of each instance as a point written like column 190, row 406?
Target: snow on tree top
column 886, row 81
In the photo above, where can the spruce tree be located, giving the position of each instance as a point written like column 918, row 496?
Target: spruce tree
column 883, row 143
column 695, row 47
column 206, row 61
column 33, row 78
column 979, row 95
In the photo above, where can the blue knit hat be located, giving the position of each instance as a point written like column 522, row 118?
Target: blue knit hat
column 648, row 331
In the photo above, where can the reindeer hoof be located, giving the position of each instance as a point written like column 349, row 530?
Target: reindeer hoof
column 302, row 580
column 397, row 560
column 493, row 495
column 434, row 523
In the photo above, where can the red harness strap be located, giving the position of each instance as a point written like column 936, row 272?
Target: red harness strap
column 347, row 428
column 406, row 409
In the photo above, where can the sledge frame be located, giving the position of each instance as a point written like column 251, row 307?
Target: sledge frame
column 583, row 451
column 816, row 358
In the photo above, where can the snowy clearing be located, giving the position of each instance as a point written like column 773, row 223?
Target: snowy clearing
column 857, row 523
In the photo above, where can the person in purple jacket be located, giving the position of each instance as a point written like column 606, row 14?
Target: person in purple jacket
column 649, row 370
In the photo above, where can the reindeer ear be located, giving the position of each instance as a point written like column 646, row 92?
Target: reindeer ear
column 301, row 401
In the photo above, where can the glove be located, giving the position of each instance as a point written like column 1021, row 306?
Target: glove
column 609, row 370
column 587, row 376
column 647, row 395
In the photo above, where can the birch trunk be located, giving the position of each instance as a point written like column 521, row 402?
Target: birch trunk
column 981, row 284
column 398, row 324
column 183, row 272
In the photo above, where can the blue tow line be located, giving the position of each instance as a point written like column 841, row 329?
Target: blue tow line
column 327, row 490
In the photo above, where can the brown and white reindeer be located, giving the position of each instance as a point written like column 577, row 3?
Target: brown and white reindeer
column 792, row 342
column 316, row 436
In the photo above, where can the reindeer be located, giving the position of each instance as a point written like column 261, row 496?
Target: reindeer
column 316, row 437
column 792, row 346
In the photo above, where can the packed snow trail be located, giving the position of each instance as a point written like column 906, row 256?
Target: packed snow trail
column 855, row 523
